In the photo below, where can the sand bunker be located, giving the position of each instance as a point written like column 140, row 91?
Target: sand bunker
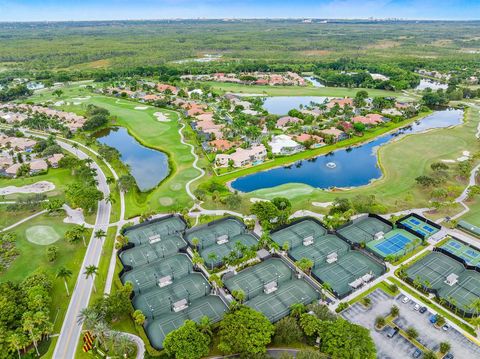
column 39, row 187
column 161, row 117
column 464, row 157
column 141, row 107
column 81, row 98
column 59, row 103
column 322, row 204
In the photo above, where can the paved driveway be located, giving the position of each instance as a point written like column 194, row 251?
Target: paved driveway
column 398, row 347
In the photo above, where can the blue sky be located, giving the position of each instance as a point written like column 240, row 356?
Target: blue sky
column 37, row 10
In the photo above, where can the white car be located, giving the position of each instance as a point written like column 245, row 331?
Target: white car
column 416, row 307
column 405, row 300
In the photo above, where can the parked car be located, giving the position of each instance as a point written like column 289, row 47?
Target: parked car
column 433, row 318
column 446, row 327
column 405, row 299
column 417, row 353
column 448, row 356
column 416, row 307
column 392, row 332
column 423, row 309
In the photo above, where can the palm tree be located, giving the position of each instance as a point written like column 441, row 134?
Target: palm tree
column 475, row 306
column 30, row 327
column 197, row 260
column 91, row 271
column 15, row 341
column 64, row 273
column 205, row 326
column 110, row 199
column 89, row 317
column 239, row 295
column 122, row 344
column 100, row 234
column 297, row 309
column 212, row 257
column 195, row 242
column 75, row 146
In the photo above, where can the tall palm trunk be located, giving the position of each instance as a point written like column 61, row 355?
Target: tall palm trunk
column 66, row 287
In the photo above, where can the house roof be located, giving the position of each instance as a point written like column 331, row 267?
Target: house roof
column 283, row 121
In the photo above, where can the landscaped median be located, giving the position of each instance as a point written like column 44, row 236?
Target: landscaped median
column 435, row 307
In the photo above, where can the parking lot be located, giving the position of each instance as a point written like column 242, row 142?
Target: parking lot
column 398, row 347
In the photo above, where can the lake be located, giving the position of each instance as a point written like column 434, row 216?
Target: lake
column 149, row 167
column 434, row 85
column 280, row 105
column 314, row 81
column 351, row 167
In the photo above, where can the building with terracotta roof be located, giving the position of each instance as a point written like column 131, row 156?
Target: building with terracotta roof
column 165, row 87
column 242, row 157
column 371, row 119
column 342, row 102
column 285, row 121
column 304, row 137
column 337, row 134
column 221, row 145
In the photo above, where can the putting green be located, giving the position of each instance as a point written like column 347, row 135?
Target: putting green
column 42, row 235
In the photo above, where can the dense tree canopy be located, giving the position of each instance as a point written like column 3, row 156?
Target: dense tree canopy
column 245, row 331
column 187, row 342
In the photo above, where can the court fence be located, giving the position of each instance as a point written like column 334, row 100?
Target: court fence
column 155, row 220
column 400, row 225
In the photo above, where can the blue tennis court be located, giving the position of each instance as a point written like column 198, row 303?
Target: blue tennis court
column 419, row 226
column 395, row 243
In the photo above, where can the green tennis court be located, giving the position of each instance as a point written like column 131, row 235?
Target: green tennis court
column 322, row 247
column 395, row 243
column 159, row 300
column 221, row 239
column 448, row 278
column 211, row 306
column 152, row 231
column 271, row 288
column 295, row 234
column 149, row 252
column 363, row 230
column 469, row 254
column 144, row 278
column 349, row 272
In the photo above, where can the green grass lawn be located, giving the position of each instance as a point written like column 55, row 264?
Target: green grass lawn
column 402, row 161
column 60, row 177
column 222, row 87
column 144, row 126
column 473, row 216
column 33, row 257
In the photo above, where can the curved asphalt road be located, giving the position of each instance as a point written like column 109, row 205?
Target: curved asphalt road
column 71, row 330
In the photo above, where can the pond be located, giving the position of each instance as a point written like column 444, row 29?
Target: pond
column 351, row 167
column 149, row 167
column 280, row 105
column 314, row 81
column 434, row 85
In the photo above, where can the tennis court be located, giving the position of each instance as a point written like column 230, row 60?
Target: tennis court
column 395, row 243
column 211, row 306
column 419, row 226
column 221, row 239
column 146, row 253
column 464, row 251
column 297, row 232
column 349, row 272
column 161, row 300
column 271, row 288
column 149, row 232
column 363, row 230
column 322, row 247
column 146, row 277
column 448, row 278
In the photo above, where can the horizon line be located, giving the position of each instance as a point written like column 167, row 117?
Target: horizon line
column 243, row 18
